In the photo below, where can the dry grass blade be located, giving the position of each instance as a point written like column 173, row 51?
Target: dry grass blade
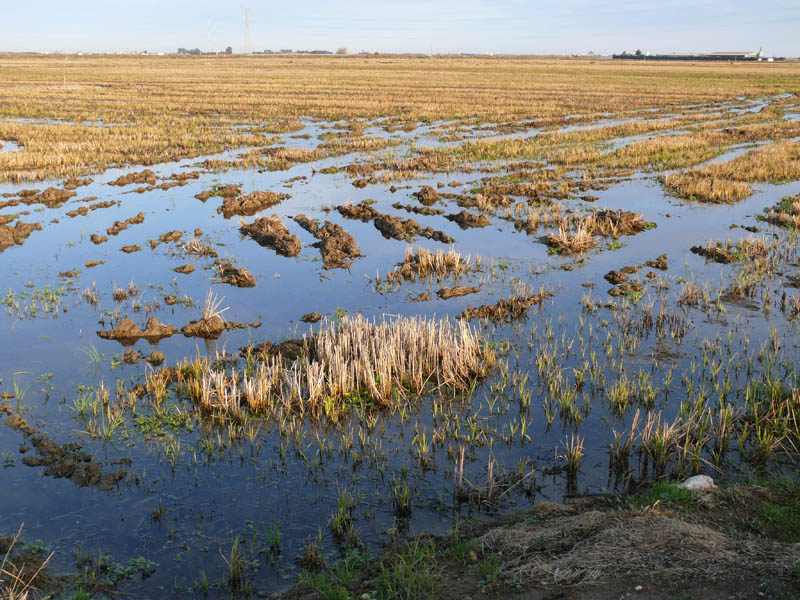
column 211, row 307
column 17, row 582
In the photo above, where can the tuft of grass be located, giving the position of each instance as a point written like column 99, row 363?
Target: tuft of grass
column 664, row 493
column 410, row 573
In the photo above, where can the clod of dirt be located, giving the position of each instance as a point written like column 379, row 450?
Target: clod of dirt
column 170, row 299
column 84, row 210
column 311, row 317
column 289, row 350
column 16, row 234
column 225, row 191
column 619, row 222
column 122, row 225
column 459, row 290
column 155, row 358
column 307, row 223
column 69, row 274
column 146, row 176
column 93, row 263
column 184, row 269
column 127, row 332
column 363, row 212
column 272, row 233
column 359, row 169
column 171, row 236
column 98, row 239
column 228, row 273
column 198, row 232
column 466, row 219
column 131, row 248
column 51, row 197
column 362, row 183
column 154, row 329
column 131, row 356
column 74, row 182
column 427, row 195
column 626, row 289
column 399, row 229
column 589, row 198
column 659, row 263
column 249, row 204
column 615, row 277
column 125, row 329
column 67, row 461
column 337, row 246
column 715, row 253
column 207, row 328
column 506, row 310
column 419, row 210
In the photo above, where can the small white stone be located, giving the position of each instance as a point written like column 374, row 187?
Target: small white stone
column 638, row 588
column 698, row 483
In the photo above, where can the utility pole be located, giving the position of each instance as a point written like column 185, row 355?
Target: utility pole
column 246, row 10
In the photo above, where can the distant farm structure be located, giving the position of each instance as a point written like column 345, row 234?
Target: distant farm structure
column 720, row 56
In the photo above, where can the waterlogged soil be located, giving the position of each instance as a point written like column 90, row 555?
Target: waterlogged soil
column 164, row 481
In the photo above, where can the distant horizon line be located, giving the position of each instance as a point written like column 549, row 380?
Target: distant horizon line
column 326, row 52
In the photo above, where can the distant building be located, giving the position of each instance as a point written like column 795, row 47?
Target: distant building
column 726, row 56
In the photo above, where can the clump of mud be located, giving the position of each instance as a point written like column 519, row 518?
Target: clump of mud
column 170, row 236
column 119, row 226
column 128, row 333
column 184, row 269
column 418, row 210
column 67, row 461
column 507, row 310
column 615, row 277
column 660, row 262
column 714, row 253
column 312, row 317
column 17, row 234
column 399, row 229
column 427, row 196
column 131, row 248
column 51, row 197
column 146, row 176
column 272, row 233
column 84, row 210
column 230, row 190
column 240, row 277
column 74, row 182
column 626, row 289
column 250, row 204
column 363, row 212
column 456, row 291
column 466, row 219
column 392, row 227
column 337, row 246
column 210, row 327
column 619, row 222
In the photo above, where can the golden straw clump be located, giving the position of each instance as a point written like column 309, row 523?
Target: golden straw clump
column 696, row 186
column 420, row 263
column 380, row 362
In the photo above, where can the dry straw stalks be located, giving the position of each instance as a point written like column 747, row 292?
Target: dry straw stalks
column 351, row 361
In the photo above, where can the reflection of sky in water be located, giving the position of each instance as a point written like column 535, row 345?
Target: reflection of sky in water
column 208, row 500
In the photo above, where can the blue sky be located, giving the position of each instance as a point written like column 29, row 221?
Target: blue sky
column 502, row 26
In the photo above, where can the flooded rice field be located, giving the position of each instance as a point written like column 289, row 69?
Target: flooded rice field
column 254, row 358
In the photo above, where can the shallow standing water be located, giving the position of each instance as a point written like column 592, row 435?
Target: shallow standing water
column 191, row 488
